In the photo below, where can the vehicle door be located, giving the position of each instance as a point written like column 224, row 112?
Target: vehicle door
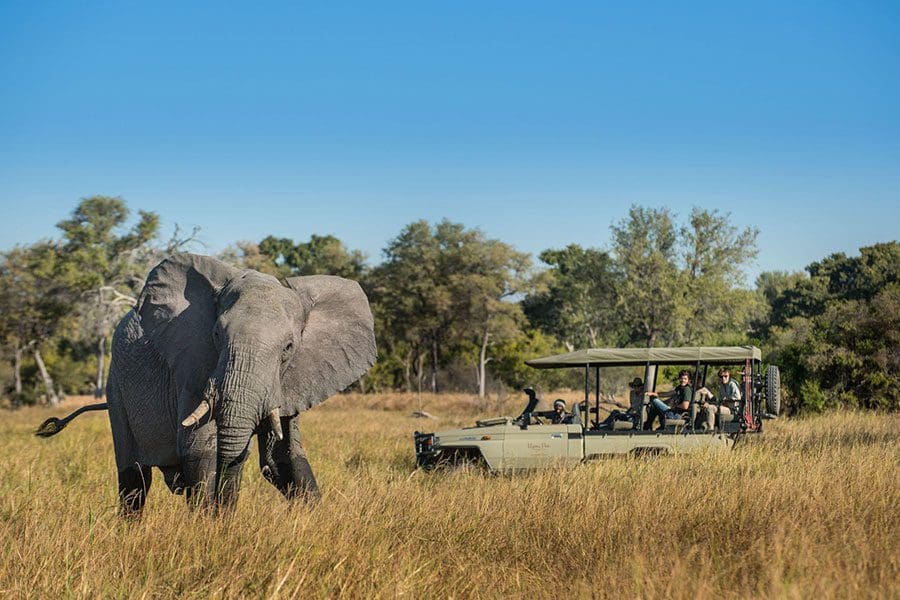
column 542, row 446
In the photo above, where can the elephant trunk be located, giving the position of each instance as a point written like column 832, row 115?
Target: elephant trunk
column 238, row 413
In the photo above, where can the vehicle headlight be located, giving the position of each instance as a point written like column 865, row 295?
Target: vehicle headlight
column 425, row 442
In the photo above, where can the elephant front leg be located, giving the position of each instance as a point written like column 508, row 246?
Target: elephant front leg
column 197, row 453
column 284, row 463
column 229, row 482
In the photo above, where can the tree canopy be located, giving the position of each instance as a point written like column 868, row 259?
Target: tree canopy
column 457, row 310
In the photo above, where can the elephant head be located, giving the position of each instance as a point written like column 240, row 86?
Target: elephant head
column 244, row 348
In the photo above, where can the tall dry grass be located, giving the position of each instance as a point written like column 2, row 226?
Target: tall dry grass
column 810, row 509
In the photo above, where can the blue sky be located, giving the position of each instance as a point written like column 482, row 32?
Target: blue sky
column 539, row 123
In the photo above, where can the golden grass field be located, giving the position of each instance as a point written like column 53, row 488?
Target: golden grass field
column 808, row 510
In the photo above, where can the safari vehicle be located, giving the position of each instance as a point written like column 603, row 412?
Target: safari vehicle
column 525, row 442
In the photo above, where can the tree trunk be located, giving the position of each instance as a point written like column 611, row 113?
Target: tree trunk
column 52, row 396
column 99, row 391
column 434, row 365
column 17, row 370
column 407, row 368
column 17, row 367
column 420, row 376
column 482, row 363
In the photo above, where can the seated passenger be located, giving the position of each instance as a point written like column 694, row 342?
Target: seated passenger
column 557, row 416
column 680, row 399
column 560, row 416
column 633, row 413
column 729, row 395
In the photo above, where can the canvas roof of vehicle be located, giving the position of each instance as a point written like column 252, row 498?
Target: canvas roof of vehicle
column 599, row 357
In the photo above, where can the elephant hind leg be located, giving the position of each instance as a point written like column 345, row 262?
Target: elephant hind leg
column 284, row 463
column 134, row 477
column 134, row 483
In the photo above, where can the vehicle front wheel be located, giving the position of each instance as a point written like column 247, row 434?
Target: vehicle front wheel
column 462, row 459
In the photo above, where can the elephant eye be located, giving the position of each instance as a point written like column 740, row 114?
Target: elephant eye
column 288, row 350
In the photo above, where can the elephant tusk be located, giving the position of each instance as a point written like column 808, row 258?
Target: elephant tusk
column 275, row 422
column 195, row 416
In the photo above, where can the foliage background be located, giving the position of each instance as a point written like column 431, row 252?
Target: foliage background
column 458, row 311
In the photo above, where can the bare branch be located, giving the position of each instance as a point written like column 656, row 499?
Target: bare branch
column 118, row 298
column 177, row 243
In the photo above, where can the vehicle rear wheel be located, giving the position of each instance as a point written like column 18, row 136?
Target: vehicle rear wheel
column 773, row 390
column 647, row 453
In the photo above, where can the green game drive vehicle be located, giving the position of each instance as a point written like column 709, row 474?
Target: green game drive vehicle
column 527, row 442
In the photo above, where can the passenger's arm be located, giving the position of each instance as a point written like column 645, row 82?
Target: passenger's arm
column 705, row 393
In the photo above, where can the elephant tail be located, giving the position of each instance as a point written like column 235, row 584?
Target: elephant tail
column 52, row 426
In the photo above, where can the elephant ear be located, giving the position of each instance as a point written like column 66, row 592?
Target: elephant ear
column 337, row 344
column 178, row 311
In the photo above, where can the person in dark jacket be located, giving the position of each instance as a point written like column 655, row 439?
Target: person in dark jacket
column 679, row 402
column 560, row 416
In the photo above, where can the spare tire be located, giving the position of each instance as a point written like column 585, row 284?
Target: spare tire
column 773, row 390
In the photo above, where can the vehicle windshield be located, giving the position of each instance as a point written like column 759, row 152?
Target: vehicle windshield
column 530, row 405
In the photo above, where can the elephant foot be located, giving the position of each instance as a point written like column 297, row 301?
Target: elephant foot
column 174, row 479
column 304, row 485
column 134, row 483
column 284, row 464
column 295, row 480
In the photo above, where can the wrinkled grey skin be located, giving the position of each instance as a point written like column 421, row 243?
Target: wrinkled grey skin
column 239, row 339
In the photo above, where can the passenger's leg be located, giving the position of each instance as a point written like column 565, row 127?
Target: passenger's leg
column 660, row 406
column 661, row 410
column 723, row 411
column 610, row 418
column 709, row 417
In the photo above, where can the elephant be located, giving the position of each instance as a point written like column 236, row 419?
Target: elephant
column 211, row 355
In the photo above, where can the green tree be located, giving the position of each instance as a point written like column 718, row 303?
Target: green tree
column 33, row 306
column 682, row 285
column 510, row 356
column 321, row 255
column 409, row 296
column 577, row 298
column 715, row 254
column 651, row 289
column 770, row 286
column 835, row 333
column 244, row 254
column 837, row 278
column 486, row 275
column 101, row 264
column 443, row 290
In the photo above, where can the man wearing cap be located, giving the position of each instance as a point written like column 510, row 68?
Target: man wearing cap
column 633, row 413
